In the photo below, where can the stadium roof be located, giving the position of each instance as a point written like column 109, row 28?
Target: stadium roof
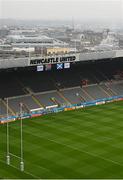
column 22, row 37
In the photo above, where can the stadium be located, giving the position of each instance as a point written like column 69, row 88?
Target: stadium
column 71, row 109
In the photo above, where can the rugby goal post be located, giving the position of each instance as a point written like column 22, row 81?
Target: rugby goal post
column 8, row 153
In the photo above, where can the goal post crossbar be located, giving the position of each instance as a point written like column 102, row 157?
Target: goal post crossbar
column 14, row 155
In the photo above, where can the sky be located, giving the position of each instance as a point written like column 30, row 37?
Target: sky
column 106, row 10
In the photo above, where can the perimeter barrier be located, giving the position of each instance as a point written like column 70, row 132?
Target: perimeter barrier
column 59, row 109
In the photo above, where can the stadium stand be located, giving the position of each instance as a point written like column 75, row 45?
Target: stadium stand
column 83, row 82
column 116, row 87
column 37, row 82
column 27, row 100
column 50, row 98
column 9, row 85
column 95, row 91
column 75, row 95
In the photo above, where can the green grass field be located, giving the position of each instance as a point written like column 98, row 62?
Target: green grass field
column 85, row 143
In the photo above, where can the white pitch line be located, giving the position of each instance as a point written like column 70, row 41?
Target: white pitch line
column 89, row 137
column 36, row 177
column 91, row 154
column 82, row 136
column 41, row 167
column 78, row 149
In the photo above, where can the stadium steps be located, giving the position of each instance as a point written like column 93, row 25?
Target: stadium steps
column 87, row 94
column 25, row 90
column 107, row 89
column 82, row 98
column 9, row 108
column 37, row 101
column 28, row 90
column 101, row 88
column 3, row 110
column 111, row 90
column 25, row 106
column 54, row 100
column 63, row 97
column 34, row 98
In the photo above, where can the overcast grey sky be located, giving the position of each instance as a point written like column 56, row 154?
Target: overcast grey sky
column 62, row 9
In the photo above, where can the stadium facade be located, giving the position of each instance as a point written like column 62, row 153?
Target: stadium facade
column 28, row 61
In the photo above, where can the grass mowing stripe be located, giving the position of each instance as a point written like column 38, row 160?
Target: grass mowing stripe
column 77, row 135
column 106, row 159
column 101, row 128
column 92, row 139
